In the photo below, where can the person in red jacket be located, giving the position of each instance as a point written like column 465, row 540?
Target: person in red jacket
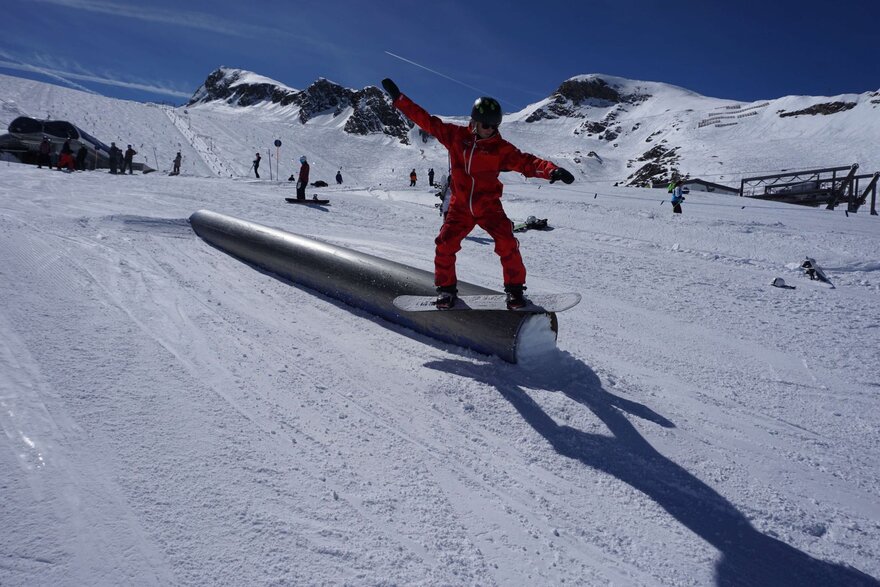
column 303, row 179
column 477, row 155
column 65, row 159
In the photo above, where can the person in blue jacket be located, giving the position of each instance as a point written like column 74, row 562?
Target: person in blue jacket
column 677, row 196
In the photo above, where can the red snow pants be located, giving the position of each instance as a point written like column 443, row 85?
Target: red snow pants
column 459, row 223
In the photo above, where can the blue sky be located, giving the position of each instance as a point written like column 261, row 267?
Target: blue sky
column 444, row 54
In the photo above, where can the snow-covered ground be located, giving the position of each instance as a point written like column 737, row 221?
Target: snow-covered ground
column 172, row 415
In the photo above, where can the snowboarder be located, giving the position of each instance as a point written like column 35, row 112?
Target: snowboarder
column 339, row 177
column 677, row 197
column 431, row 177
column 256, row 166
column 127, row 161
column 114, row 155
column 477, row 156
column 303, row 179
column 177, row 159
column 412, row 178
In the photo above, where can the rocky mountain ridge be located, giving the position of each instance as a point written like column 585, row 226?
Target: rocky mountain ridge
column 602, row 127
column 371, row 111
column 658, row 129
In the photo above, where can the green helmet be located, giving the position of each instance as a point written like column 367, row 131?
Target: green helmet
column 487, row 110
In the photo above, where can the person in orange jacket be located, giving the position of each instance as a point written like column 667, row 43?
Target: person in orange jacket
column 477, row 155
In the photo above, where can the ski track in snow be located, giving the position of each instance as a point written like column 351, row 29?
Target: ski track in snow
column 173, row 416
column 211, row 423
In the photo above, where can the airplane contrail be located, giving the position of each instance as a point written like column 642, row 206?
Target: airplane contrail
column 452, row 79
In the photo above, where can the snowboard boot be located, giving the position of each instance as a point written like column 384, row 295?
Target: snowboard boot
column 515, row 297
column 446, row 296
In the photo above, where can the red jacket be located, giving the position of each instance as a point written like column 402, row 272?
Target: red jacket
column 304, row 174
column 475, row 163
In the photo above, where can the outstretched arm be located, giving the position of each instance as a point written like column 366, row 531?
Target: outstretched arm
column 440, row 130
column 526, row 163
column 531, row 166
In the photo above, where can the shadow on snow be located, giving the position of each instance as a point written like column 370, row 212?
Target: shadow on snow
column 748, row 557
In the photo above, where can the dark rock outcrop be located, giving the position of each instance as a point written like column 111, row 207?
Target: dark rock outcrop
column 371, row 110
column 825, row 109
column 602, row 128
column 569, row 99
column 657, row 162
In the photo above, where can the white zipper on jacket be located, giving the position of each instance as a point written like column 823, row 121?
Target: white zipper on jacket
column 473, row 181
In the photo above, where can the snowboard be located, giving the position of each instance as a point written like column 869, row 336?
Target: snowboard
column 314, row 200
column 534, row 224
column 812, row 269
column 536, row 304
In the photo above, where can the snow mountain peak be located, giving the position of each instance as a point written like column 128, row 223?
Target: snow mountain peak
column 602, row 127
column 366, row 111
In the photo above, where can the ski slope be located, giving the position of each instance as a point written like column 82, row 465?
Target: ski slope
column 171, row 415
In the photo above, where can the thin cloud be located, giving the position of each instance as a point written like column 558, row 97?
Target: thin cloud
column 67, row 76
column 194, row 20
column 452, row 79
column 41, row 70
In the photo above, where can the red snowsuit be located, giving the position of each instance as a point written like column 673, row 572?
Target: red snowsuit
column 476, row 192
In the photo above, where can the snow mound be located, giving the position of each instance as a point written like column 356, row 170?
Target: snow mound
column 536, row 341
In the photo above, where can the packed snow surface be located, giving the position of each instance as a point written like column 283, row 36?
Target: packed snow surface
column 172, row 415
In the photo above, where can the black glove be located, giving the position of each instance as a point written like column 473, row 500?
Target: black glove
column 560, row 173
column 391, row 88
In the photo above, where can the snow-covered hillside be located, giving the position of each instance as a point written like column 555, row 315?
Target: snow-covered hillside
column 650, row 128
column 171, row 415
column 606, row 129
